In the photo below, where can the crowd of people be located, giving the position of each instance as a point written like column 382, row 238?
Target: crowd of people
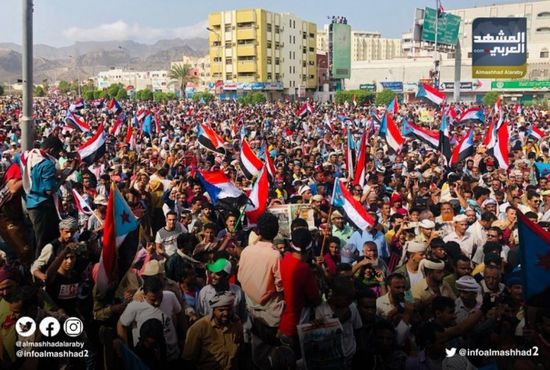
column 200, row 287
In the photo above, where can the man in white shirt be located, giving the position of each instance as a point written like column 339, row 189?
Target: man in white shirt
column 156, row 304
column 166, row 238
column 461, row 236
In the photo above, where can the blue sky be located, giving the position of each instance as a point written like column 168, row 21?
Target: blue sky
column 61, row 22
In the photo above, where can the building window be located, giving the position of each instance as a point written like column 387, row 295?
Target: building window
column 289, row 39
column 228, row 44
column 311, row 35
column 228, row 76
column 269, row 76
column 269, row 27
column 544, row 53
column 304, row 64
column 289, row 69
column 543, row 29
column 217, row 59
column 543, row 15
column 277, row 77
column 470, row 55
column 304, row 35
column 311, row 50
column 269, row 44
column 290, row 22
column 277, row 29
column 216, row 43
column 277, row 61
column 277, row 45
column 268, row 60
column 304, row 50
column 228, row 61
column 227, row 26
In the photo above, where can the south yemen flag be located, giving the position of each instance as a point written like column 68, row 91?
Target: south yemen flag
column 352, row 208
column 119, row 222
column 94, row 148
column 534, row 244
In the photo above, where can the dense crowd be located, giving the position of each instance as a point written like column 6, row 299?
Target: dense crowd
column 198, row 286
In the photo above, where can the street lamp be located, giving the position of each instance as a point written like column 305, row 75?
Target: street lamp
column 209, row 29
column 77, row 72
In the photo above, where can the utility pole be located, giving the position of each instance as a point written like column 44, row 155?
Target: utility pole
column 458, row 66
column 436, row 55
column 26, row 123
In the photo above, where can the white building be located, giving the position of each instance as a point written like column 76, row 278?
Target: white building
column 200, row 69
column 153, row 80
column 409, row 70
column 365, row 45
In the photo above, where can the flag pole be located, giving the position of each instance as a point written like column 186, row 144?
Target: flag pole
column 329, row 216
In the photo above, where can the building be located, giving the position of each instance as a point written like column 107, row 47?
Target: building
column 403, row 74
column 153, row 80
column 537, row 14
column 255, row 49
column 365, row 45
column 200, row 69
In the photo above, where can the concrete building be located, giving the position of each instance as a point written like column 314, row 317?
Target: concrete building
column 537, row 14
column 255, row 49
column 364, row 45
column 407, row 72
column 153, row 80
column 200, row 69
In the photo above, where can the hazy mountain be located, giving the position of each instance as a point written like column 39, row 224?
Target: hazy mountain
column 85, row 59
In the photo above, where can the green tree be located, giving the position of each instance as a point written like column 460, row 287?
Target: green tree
column 145, row 94
column 171, row 96
column 159, row 96
column 180, row 74
column 490, row 98
column 89, row 94
column 384, row 97
column 362, row 96
column 121, row 94
column 39, row 91
column 64, row 87
column 114, row 89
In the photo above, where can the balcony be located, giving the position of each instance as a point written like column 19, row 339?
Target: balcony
column 246, row 66
column 216, row 68
column 244, row 16
column 248, row 33
column 246, row 50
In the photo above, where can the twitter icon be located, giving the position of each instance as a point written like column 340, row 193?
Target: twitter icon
column 450, row 352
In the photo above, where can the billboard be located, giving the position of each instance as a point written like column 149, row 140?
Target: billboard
column 499, row 47
column 447, row 27
column 341, row 51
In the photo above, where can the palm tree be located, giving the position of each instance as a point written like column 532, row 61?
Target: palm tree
column 180, row 73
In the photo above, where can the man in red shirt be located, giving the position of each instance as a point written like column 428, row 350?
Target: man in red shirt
column 12, row 219
column 299, row 286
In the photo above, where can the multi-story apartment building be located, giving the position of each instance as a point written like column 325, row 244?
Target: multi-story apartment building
column 364, row 45
column 261, row 50
column 153, row 80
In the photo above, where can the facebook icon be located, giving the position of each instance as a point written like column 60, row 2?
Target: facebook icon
column 49, row 327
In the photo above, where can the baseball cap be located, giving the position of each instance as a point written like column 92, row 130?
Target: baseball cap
column 221, row 264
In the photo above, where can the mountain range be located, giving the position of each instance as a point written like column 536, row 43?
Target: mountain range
column 85, row 59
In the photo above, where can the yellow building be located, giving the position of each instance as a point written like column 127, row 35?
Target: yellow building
column 262, row 49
